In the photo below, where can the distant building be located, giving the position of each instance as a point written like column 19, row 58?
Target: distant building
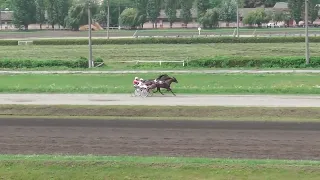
column 162, row 21
column 6, row 18
column 278, row 7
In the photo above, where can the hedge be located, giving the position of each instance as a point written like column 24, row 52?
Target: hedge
column 8, row 43
column 262, row 62
column 12, row 63
column 244, row 62
column 164, row 40
column 176, row 40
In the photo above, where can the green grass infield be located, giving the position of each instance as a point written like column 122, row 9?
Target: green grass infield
column 109, row 167
column 187, row 83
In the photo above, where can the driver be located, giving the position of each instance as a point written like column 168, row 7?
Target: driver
column 141, row 84
column 136, row 82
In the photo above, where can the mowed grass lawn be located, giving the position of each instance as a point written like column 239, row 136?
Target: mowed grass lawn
column 135, row 168
column 156, row 51
column 188, row 83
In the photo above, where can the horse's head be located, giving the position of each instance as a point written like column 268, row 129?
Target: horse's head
column 174, row 80
column 171, row 80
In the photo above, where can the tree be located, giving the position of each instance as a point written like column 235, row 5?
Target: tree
column 153, row 11
column 63, row 7
column 281, row 16
column 116, row 7
column 78, row 14
column 185, row 12
column 296, row 9
column 58, row 11
column 141, row 16
column 5, row 4
column 271, row 3
column 228, row 11
column 128, row 16
column 40, row 12
column 171, row 10
column 210, row 18
column 313, row 10
column 52, row 12
column 259, row 3
column 202, row 6
column 258, row 17
column 24, row 12
column 215, row 3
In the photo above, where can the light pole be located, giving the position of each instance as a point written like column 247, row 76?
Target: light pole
column 108, row 20
column 119, row 27
column 1, row 18
column 306, row 22
column 90, row 43
column 237, row 18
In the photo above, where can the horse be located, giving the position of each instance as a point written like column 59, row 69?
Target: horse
column 165, row 85
column 162, row 77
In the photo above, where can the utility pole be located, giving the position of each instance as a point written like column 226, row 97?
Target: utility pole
column 1, row 18
column 306, row 24
column 90, row 43
column 108, row 20
column 119, row 27
column 237, row 18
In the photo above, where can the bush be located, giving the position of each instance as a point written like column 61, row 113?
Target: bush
column 261, row 62
column 8, row 42
column 10, row 63
column 164, row 40
column 237, row 62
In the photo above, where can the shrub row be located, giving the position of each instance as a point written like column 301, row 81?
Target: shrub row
column 8, row 42
column 176, row 40
column 183, row 40
column 261, row 62
column 10, row 63
column 243, row 62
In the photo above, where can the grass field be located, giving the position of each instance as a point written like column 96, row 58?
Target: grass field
column 188, row 83
column 162, row 112
column 94, row 167
column 114, row 53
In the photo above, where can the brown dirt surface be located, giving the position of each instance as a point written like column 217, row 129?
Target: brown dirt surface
column 116, row 33
column 218, row 139
column 264, row 113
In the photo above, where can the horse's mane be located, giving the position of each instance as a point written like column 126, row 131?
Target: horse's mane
column 162, row 75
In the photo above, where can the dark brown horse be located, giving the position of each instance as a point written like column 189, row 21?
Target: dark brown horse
column 162, row 77
column 163, row 84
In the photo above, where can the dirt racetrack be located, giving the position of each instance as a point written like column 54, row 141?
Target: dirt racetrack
column 166, row 138
column 116, row 34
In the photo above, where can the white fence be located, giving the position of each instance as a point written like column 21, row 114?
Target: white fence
column 27, row 42
column 159, row 62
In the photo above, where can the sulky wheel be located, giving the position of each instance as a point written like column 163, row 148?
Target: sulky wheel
column 144, row 93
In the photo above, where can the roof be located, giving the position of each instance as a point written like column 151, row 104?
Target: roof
column 278, row 6
column 281, row 5
column 193, row 13
column 6, row 15
column 245, row 11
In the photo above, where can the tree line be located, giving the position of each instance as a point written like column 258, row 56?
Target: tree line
column 134, row 13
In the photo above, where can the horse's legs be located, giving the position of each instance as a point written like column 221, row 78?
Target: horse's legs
column 156, row 90
column 171, row 91
column 160, row 90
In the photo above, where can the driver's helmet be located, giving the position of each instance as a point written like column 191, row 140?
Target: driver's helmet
column 141, row 79
column 136, row 78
